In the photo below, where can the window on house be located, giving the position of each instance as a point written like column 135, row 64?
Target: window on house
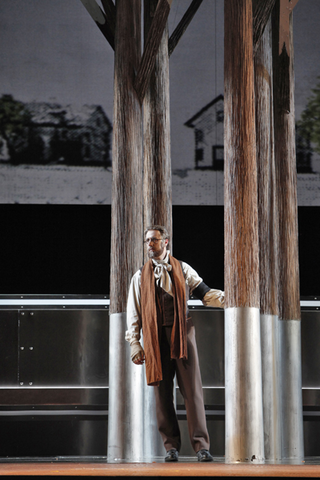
column 198, row 135
column 219, row 115
column 199, row 156
column 217, row 157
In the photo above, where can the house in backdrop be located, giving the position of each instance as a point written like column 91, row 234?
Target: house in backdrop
column 208, row 125
column 69, row 135
column 208, row 135
column 64, row 134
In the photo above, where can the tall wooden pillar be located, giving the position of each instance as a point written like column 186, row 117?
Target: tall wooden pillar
column 157, row 189
column 268, row 246
column 243, row 386
column 157, row 145
column 125, row 379
column 289, row 295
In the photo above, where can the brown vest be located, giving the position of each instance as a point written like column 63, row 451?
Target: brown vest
column 151, row 323
column 165, row 307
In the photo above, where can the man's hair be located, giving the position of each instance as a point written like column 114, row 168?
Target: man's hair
column 162, row 230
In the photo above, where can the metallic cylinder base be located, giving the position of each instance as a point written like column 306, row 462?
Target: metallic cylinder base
column 125, row 420
column 153, row 444
column 291, row 390
column 243, row 386
column 269, row 325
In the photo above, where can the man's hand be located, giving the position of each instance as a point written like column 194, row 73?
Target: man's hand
column 137, row 353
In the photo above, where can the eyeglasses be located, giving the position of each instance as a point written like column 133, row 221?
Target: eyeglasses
column 153, row 240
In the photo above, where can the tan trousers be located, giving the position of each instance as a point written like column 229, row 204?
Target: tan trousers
column 189, row 381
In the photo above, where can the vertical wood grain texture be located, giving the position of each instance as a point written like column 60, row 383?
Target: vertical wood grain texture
column 157, row 150
column 268, row 243
column 126, row 220
column 267, row 194
column 285, row 157
column 261, row 15
column 241, row 209
column 151, row 46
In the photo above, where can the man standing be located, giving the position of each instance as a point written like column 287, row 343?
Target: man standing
column 157, row 303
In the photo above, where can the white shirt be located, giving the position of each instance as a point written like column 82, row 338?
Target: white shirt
column 213, row 298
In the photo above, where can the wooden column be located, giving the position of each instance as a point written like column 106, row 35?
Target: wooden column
column 268, row 243
column 126, row 226
column 243, row 387
column 157, row 187
column 125, row 379
column 157, row 190
column 289, row 295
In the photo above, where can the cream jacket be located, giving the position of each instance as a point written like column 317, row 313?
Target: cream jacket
column 213, row 298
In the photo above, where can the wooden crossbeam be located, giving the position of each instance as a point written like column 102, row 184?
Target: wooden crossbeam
column 183, row 24
column 110, row 11
column 151, row 47
column 261, row 13
column 105, row 23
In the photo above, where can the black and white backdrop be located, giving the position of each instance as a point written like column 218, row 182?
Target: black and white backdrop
column 56, row 71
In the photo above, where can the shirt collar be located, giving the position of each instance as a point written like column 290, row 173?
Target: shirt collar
column 165, row 260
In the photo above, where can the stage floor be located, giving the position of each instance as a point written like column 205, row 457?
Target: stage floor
column 187, row 466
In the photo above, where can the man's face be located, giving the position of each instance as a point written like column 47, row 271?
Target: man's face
column 156, row 248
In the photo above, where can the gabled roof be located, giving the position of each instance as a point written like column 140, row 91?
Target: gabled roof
column 56, row 114
column 189, row 123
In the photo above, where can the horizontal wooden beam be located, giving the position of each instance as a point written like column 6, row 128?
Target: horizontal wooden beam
column 151, row 47
column 183, row 24
column 106, row 24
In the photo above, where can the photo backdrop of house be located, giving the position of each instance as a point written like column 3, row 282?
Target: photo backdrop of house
column 208, row 135
column 65, row 134
column 208, row 125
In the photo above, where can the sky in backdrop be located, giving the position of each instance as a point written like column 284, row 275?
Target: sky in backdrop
column 51, row 50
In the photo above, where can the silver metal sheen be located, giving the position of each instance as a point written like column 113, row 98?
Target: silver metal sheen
column 270, row 357
column 243, row 386
column 291, row 392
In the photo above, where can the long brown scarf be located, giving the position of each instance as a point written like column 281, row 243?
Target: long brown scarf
column 149, row 320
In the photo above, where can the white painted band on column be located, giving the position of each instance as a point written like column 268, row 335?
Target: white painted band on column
column 269, row 325
column 243, row 386
column 291, row 390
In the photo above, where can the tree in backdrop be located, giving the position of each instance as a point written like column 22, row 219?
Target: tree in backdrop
column 309, row 125
column 14, row 122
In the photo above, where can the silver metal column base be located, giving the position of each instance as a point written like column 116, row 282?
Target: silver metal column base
column 243, row 386
column 125, row 422
column 132, row 427
column 291, row 392
column 269, row 325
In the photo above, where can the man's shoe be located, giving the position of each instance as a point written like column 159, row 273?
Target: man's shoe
column 204, row 456
column 172, row 455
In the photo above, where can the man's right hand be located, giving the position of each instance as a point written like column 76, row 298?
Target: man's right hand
column 137, row 353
